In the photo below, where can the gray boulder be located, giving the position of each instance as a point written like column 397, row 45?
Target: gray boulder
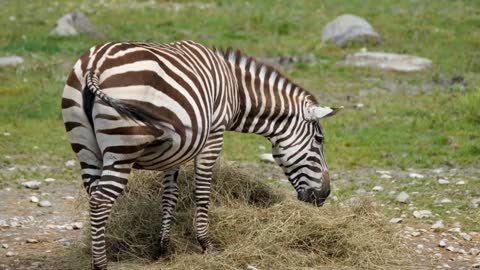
column 350, row 28
column 73, row 24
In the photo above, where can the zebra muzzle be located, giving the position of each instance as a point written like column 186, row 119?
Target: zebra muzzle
column 314, row 196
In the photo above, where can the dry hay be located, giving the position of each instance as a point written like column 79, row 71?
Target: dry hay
column 250, row 224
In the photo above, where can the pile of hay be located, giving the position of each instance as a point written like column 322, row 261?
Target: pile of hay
column 250, row 224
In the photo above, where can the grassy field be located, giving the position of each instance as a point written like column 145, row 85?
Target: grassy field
column 409, row 120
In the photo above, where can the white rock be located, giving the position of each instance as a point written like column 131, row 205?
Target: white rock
column 382, row 172
column 416, row 175
column 444, row 265
column 442, row 243
column 437, row 256
column 438, row 225
column 456, row 230
column 7, row 134
column 396, row 220
column 461, row 183
column 34, row 199
column 446, row 200
column 70, row 163
column 476, row 265
column 32, row 241
column 466, row 236
column 10, row 61
column 347, row 28
column 442, row 181
column 422, row 214
column 377, row 188
column 251, row 268
column 386, row 176
column 420, row 246
column 5, row 246
column 474, row 203
column 387, row 61
column 49, row 180
column 267, row 158
column 77, row 225
column 403, row 197
column 415, row 233
column 452, row 249
column 262, row 148
column 44, row 203
column 437, row 171
column 11, row 254
column 69, row 198
column 474, row 251
column 359, row 105
column 34, row 184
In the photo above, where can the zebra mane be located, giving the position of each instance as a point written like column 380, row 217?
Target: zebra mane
column 237, row 56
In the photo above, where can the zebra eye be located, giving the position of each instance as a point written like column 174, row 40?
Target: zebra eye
column 319, row 138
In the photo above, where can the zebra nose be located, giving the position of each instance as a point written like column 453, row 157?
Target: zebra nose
column 314, row 196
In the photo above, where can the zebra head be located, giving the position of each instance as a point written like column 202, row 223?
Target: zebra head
column 300, row 154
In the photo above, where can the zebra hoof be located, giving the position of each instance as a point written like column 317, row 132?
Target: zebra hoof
column 163, row 250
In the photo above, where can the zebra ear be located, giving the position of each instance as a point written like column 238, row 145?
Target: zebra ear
column 317, row 112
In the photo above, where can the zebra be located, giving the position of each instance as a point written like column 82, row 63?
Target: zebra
column 156, row 106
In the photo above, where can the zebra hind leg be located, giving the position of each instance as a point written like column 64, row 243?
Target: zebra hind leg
column 169, row 201
column 102, row 197
column 204, row 163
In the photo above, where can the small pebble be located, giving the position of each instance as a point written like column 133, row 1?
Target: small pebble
column 34, row 199
column 32, row 241
column 420, row 246
column 396, row 220
column 11, row 254
column 77, row 225
column 416, row 233
column 438, row 225
column 452, row 249
column 377, row 189
column 461, row 183
column 474, row 251
column 69, row 198
column 466, row 236
column 446, row 200
column 70, row 163
column 49, row 180
column 386, row 176
column 44, row 204
column 442, row 181
column 5, row 246
column 403, row 197
column 416, row 175
column 34, row 184
column 251, row 268
column 422, row 214
column 442, row 243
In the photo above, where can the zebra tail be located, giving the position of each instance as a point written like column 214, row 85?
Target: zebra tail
column 126, row 110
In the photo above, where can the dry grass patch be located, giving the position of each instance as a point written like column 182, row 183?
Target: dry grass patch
column 251, row 224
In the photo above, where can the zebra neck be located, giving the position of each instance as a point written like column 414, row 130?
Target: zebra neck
column 268, row 101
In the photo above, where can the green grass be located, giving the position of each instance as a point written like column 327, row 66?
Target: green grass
column 410, row 121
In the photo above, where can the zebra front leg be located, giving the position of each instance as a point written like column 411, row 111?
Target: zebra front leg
column 204, row 163
column 169, row 201
column 103, row 194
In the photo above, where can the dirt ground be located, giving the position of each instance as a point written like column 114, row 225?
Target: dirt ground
column 30, row 236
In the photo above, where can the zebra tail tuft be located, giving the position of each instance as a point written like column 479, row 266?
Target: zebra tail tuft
column 126, row 110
